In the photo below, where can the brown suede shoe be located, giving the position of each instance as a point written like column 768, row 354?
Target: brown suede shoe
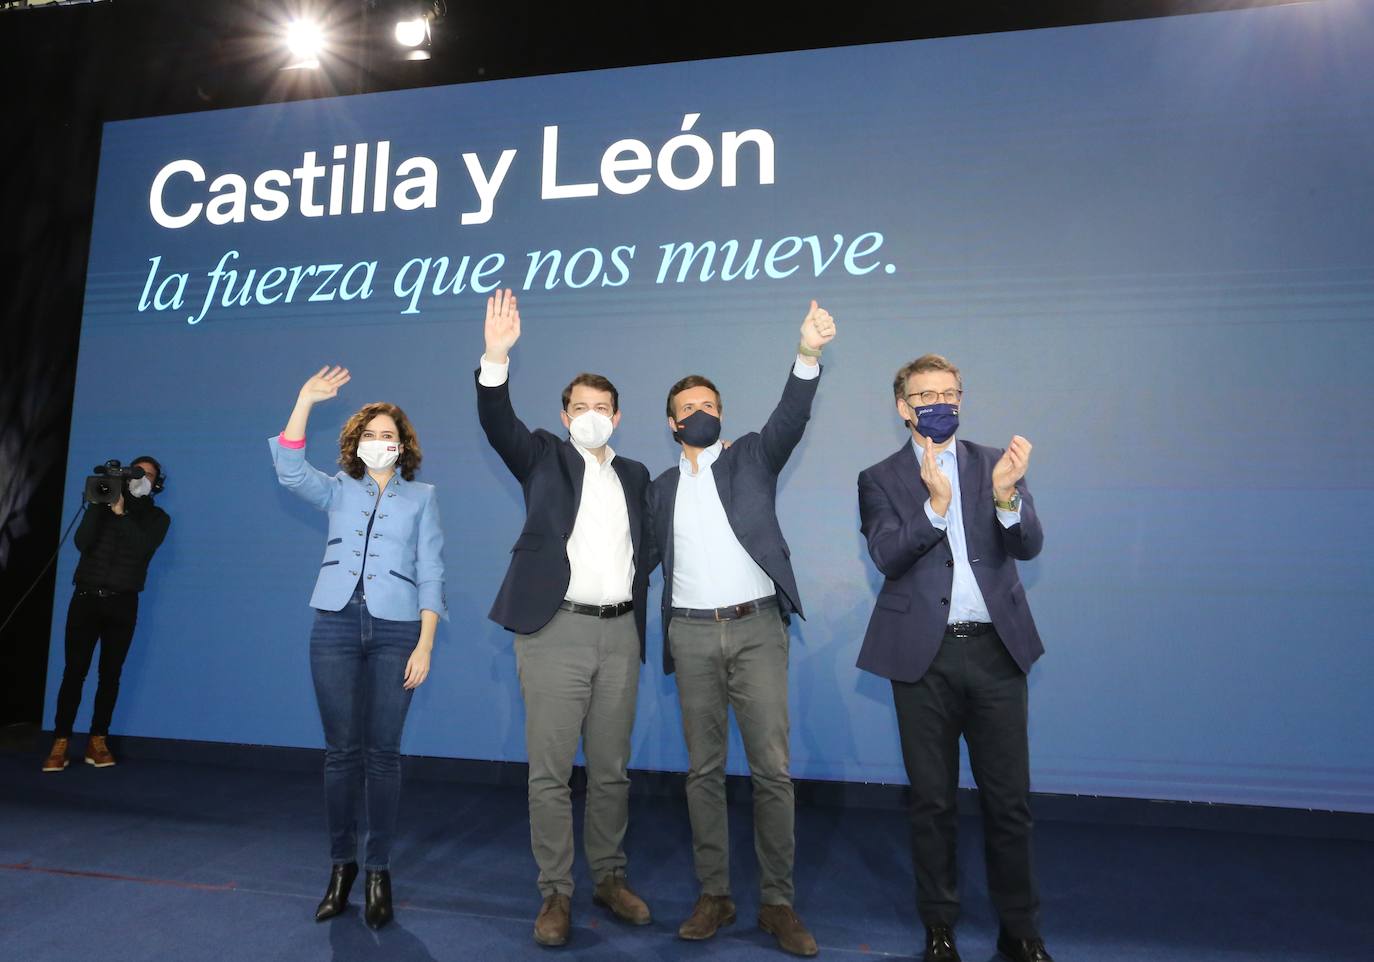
column 782, row 923
column 612, row 893
column 709, row 914
column 554, row 920
column 57, row 758
column 98, row 753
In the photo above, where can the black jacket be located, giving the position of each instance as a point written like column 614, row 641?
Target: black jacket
column 115, row 549
column 550, row 471
column 746, row 476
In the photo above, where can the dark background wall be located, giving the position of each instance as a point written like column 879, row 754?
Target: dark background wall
column 66, row 70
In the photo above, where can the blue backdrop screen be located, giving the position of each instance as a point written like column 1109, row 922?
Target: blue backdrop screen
column 1148, row 245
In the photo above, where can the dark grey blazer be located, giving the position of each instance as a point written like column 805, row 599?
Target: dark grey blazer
column 912, row 609
column 746, row 476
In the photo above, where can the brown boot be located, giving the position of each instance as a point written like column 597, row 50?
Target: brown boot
column 98, row 753
column 554, row 920
column 614, row 894
column 709, row 914
column 57, row 758
column 782, row 923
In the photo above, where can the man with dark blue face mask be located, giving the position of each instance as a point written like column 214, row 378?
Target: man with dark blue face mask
column 945, row 522
column 728, row 589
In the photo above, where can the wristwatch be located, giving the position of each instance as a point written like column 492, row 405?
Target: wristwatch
column 1011, row 504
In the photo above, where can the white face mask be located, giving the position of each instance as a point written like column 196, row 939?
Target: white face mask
column 379, row 455
column 591, row 429
column 140, row 487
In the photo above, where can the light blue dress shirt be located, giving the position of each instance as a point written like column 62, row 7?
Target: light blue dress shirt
column 965, row 598
column 711, row 569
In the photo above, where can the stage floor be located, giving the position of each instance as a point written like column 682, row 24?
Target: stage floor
column 155, row 860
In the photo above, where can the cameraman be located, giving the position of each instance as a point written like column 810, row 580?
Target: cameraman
column 116, row 546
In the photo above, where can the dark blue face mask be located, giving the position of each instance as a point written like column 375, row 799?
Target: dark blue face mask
column 698, row 430
column 937, row 421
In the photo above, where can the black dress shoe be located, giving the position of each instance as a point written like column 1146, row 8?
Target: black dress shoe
column 377, row 888
column 940, row 945
column 336, row 896
column 1022, row 950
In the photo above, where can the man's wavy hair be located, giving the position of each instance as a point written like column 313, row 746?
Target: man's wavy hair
column 409, row 461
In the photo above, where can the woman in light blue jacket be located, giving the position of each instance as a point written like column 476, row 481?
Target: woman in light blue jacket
column 377, row 601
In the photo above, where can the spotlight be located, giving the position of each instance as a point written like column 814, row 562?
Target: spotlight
column 412, row 33
column 413, row 30
column 305, row 40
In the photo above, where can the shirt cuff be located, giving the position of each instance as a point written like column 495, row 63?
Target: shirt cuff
column 937, row 521
column 290, row 445
column 807, row 372
column 1009, row 519
column 493, row 374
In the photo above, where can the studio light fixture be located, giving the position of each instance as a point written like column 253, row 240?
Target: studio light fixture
column 412, row 31
column 305, row 41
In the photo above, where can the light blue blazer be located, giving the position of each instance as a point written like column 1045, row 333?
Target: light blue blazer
column 403, row 560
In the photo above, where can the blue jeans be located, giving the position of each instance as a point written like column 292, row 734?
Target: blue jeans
column 358, row 663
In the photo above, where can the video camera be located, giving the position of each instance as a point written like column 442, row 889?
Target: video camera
column 107, row 486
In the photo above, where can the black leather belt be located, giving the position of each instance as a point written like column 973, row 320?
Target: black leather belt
column 968, row 629
column 100, row 593
column 599, row 611
column 729, row 613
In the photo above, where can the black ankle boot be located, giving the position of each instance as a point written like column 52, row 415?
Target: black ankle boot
column 377, row 887
column 336, row 896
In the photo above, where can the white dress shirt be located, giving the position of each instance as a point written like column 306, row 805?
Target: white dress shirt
column 600, row 551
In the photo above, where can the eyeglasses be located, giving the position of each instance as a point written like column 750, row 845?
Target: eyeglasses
column 952, row 396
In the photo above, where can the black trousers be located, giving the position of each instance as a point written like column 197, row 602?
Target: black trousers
column 91, row 619
column 976, row 690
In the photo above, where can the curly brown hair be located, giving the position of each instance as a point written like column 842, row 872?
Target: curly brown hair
column 409, row 461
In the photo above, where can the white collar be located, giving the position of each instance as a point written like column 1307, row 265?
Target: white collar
column 591, row 458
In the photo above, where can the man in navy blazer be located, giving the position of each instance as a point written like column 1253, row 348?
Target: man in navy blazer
column 728, row 589
column 575, row 595
column 946, row 522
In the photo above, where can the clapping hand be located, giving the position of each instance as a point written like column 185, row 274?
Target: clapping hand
column 1010, row 468
column 324, row 384
column 818, row 328
column 502, row 326
column 935, row 481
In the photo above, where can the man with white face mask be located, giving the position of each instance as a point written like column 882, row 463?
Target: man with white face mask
column 116, row 541
column 575, row 597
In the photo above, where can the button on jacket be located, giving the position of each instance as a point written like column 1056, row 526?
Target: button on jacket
column 400, row 561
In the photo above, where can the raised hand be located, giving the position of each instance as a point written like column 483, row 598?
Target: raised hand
column 818, row 328
column 502, row 328
column 1010, row 468
column 324, row 384
column 935, row 481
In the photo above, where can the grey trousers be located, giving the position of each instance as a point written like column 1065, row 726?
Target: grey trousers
column 579, row 676
column 740, row 664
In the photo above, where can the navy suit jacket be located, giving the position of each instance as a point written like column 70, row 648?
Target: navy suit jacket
column 550, row 471
column 908, row 622
column 746, row 476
